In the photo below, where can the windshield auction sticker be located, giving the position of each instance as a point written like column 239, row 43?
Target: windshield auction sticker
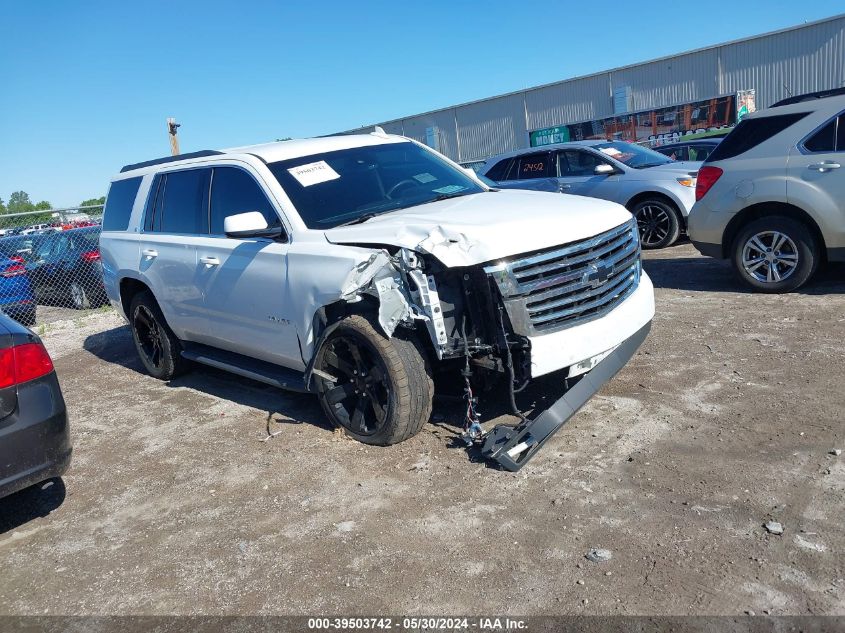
column 610, row 151
column 313, row 173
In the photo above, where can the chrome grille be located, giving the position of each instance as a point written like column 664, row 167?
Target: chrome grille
column 571, row 284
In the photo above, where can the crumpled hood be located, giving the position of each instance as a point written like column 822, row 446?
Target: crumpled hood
column 487, row 226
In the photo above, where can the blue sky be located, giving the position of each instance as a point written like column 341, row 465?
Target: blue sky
column 87, row 85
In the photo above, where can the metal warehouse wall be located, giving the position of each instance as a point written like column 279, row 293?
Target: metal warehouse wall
column 801, row 59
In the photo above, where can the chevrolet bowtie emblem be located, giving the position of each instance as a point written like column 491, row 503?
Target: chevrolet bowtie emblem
column 596, row 275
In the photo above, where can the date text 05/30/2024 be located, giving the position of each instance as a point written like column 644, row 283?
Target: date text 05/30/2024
column 418, row 623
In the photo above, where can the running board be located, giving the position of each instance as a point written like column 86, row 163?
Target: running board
column 262, row 371
column 512, row 446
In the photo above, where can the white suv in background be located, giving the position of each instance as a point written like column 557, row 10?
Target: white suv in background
column 771, row 197
column 353, row 266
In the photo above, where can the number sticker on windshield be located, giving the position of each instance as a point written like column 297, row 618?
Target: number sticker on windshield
column 313, row 173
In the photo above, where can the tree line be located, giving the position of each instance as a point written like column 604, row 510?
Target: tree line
column 20, row 202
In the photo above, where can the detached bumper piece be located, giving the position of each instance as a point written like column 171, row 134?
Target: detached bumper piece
column 512, row 446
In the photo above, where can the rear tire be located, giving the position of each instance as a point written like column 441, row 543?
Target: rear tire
column 79, row 298
column 658, row 223
column 382, row 389
column 775, row 254
column 157, row 346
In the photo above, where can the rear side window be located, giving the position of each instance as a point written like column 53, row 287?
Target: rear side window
column 119, row 204
column 830, row 138
column 500, row 170
column 840, row 134
column 534, row 166
column 234, row 191
column 181, row 203
column 749, row 133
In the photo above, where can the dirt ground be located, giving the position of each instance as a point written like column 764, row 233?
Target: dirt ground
column 724, row 420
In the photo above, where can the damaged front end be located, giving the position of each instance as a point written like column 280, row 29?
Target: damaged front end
column 480, row 324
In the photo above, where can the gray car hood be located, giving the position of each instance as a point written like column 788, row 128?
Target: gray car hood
column 487, row 226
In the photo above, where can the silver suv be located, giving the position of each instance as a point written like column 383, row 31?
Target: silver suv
column 771, row 197
column 657, row 190
column 353, row 267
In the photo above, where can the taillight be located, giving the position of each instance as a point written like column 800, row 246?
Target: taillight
column 90, row 256
column 15, row 270
column 707, row 177
column 23, row 363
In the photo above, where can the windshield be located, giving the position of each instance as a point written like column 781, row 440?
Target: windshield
column 352, row 185
column 633, row 155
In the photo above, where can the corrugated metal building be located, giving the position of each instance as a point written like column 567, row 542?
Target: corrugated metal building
column 670, row 93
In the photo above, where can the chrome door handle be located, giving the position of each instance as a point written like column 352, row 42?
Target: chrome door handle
column 149, row 253
column 210, row 261
column 824, row 166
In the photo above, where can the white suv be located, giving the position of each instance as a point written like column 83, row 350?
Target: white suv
column 771, row 196
column 353, row 266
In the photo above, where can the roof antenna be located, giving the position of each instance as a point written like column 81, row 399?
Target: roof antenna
column 378, row 130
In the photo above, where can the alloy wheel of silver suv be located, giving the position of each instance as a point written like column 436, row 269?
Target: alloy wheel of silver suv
column 775, row 254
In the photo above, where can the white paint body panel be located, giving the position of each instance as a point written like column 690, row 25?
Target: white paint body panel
column 259, row 297
column 565, row 348
column 487, row 226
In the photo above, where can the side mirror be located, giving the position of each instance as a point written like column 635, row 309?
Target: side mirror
column 249, row 224
column 604, row 170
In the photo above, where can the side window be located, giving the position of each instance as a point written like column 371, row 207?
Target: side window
column 152, row 198
column 840, row 133
column 683, row 152
column 578, row 163
column 182, row 203
column 234, row 191
column 534, row 166
column 824, row 140
column 830, row 138
column 501, row 170
column 119, row 204
column 749, row 133
column 700, row 152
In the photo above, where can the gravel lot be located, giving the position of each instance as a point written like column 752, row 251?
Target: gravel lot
column 725, row 419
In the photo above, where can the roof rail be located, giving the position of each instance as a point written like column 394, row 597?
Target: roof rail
column 822, row 94
column 170, row 159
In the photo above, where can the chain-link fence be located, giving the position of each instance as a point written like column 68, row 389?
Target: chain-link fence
column 50, row 266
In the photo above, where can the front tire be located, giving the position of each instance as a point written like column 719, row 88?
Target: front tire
column 159, row 349
column 378, row 390
column 658, row 223
column 775, row 254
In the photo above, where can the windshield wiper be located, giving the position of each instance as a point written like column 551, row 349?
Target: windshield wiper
column 359, row 220
column 456, row 194
column 647, row 165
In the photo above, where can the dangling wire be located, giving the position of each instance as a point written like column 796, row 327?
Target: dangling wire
column 472, row 419
column 509, row 364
